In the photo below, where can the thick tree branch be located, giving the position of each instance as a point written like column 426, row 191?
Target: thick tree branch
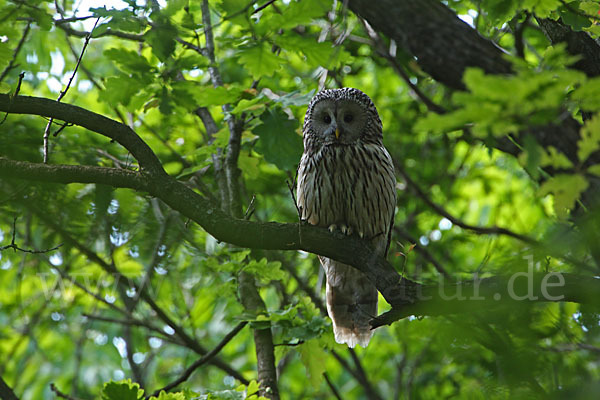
column 578, row 43
column 115, row 177
column 6, row 392
column 443, row 44
column 481, row 295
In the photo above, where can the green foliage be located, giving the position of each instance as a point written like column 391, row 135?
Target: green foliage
column 278, row 140
column 566, row 190
column 502, row 105
column 590, row 138
column 122, row 390
column 76, row 317
column 258, row 60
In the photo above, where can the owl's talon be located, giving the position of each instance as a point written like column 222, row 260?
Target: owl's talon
column 361, row 234
column 346, row 230
column 332, row 228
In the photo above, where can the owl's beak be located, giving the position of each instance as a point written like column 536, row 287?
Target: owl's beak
column 337, row 132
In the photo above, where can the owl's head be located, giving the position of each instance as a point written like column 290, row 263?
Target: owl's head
column 342, row 116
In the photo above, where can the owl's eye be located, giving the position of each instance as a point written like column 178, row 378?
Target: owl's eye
column 348, row 118
column 327, row 119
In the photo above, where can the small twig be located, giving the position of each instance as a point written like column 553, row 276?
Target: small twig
column 59, row 130
column 492, row 230
column 250, row 210
column 424, row 252
column 73, row 19
column 16, row 248
column 129, row 321
column 267, row 4
column 378, row 44
column 291, row 184
column 12, row 64
column 60, row 394
column 17, row 90
column 203, row 360
column 371, row 393
column 109, row 32
column 191, row 46
column 64, row 92
column 331, row 386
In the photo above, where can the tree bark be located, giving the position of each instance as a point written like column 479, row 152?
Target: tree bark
column 442, row 43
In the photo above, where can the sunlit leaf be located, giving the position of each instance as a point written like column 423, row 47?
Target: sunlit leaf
column 122, row 390
column 566, row 190
column 259, row 60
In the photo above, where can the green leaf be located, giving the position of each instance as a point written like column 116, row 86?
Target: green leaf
column 255, row 106
column 4, row 87
column 566, row 190
column 191, row 61
column 278, row 141
column 41, row 17
column 128, row 60
column 173, row 6
column 532, row 156
column 170, row 396
column 5, row 55
column 295, row 98
column 317, row 54
column 541, row 8
column 259, row 60
column 119, row 89
column 552, row 157
column 126, row 265
column 161, row 38
column 590, row 7
column 264, row 270
column 235, row 11
column 211, row 96
column 594, row 169
column 500, row 11
column 576, row 21
column 590, row 138
column 312, row 356
column 249, row 165
column 587, row 95
column 299, row 13
column 122, row 390
column 121, row 20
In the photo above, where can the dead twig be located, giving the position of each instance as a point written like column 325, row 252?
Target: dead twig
column 203, row 360
column 13, row 245
column 64, row 92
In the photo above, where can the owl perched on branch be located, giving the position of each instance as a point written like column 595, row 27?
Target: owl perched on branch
column 346, row 182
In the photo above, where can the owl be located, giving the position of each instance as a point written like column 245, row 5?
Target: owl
column 346, row 182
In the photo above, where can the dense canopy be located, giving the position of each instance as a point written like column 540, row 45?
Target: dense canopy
column 150, row 244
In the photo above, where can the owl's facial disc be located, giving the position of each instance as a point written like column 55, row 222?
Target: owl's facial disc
column 351, row 121
column 340, row 121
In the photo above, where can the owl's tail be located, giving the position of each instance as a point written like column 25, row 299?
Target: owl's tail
column 351, row 303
